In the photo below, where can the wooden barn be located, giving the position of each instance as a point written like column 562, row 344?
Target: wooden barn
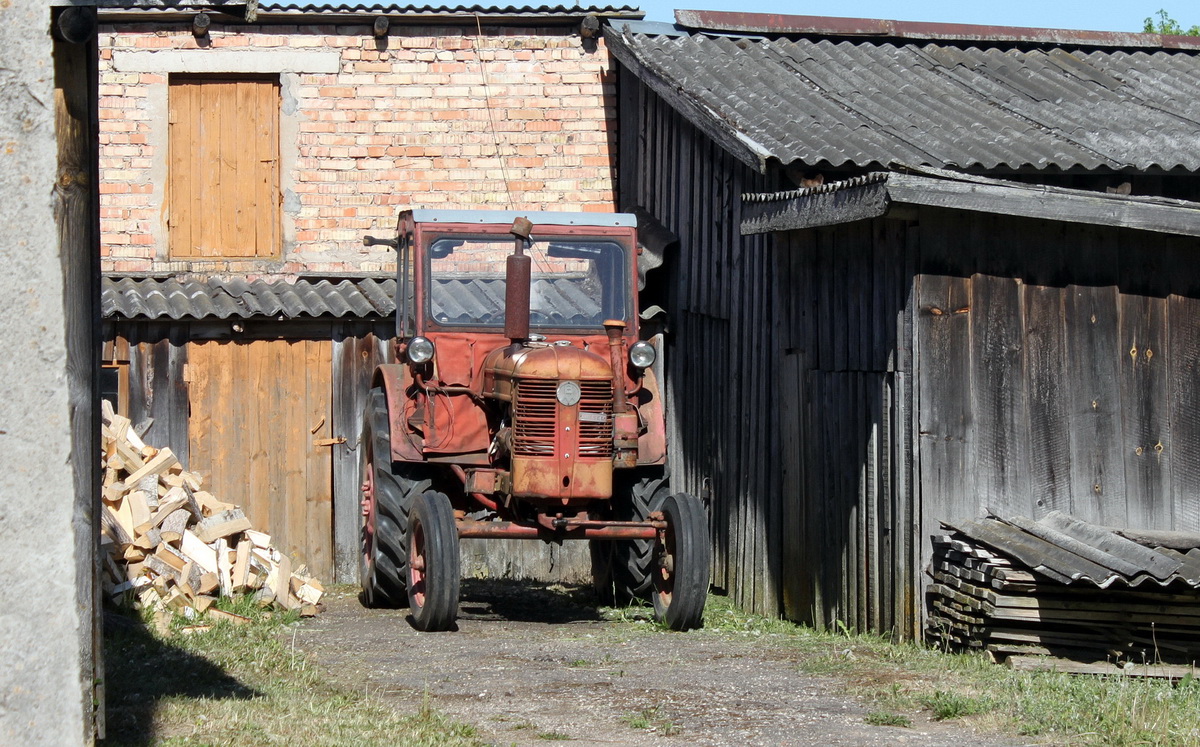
column 242, row 159
column 923, row 271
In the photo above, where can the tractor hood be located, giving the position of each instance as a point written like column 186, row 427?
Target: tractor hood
column 557, row 361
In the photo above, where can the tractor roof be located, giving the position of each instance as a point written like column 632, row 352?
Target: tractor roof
column 506, row 217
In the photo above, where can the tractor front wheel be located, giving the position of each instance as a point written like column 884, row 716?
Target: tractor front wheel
column 385, row 505
column 679, row 566
column 433, row 563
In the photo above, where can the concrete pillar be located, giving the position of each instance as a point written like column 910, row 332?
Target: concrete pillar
column 47, row 430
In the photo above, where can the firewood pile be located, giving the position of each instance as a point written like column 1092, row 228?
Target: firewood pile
column 1095, row 622
column 170, row 546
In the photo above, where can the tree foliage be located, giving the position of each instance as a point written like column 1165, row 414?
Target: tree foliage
column 1168, row 26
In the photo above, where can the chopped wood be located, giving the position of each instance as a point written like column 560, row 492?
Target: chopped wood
column 194, row 629
column 241, row 566
column 227, row 616
column 260, row 539
column 194, row 548
column 164, row 510
column 222, row 525
column 161, row 461
column 208, row 582
column 173, row 547
column 224, row 568
column 175, row 524
column 110, row 521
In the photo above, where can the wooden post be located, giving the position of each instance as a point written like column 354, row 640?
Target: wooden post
column 76, row 211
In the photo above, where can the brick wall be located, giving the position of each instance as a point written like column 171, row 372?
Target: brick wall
column 406, row 124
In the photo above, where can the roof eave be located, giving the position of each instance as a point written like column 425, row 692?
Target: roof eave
column 873, row 197
column 881, row 29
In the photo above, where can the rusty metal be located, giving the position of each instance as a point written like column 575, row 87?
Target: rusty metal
column 616, row 349
column 517, row 273
column 772, row 23
column 511, row 530
column 478, row 495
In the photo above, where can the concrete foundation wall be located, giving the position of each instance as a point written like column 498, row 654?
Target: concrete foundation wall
column 45, row 622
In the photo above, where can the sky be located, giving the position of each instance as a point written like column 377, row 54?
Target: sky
column 1100, row 15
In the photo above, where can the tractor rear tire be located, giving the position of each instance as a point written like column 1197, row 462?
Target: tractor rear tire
column 433, row 563
column 391, row 489
column 681, row 560
column 629, row 564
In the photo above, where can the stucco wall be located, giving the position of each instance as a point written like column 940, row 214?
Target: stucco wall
column 44, row 622
column 434, row 117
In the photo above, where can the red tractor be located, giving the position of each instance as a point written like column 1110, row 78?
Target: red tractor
column 524, row 406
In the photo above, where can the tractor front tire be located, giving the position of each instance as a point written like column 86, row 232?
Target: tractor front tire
column 621, row 569
column 389, row 489
column 680, row 564
column 433, row 563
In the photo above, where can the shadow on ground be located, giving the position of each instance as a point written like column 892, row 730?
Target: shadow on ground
column 142, row 670
column 527, row 601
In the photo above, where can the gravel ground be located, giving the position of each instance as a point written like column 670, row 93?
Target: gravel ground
column 530, row 664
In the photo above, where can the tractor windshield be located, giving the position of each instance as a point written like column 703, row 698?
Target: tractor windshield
column 576, row 282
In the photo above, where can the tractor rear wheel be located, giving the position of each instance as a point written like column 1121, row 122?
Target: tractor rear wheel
column 680, row 564
column 621, row 569
column 388, row 491
column 433, row 562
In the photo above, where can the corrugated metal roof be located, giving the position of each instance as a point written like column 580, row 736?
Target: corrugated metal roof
column 456, row 301
column 152, row 298
column 870, row 103
column 1071, row 551
column 439, row 10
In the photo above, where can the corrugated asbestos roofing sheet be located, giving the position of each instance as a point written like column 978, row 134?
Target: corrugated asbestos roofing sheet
column 466, row 10
column 968, row 105
column 237, row 298
column 1071, row 551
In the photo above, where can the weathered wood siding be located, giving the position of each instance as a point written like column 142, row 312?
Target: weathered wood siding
column 260, row 411
column 845, row 386
column 242, row 412
column 939, row 366
column 720, row 295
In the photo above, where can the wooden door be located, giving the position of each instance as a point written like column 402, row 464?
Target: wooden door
column 259, row 433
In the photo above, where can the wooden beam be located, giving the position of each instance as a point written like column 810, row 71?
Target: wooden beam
column 1047, row 203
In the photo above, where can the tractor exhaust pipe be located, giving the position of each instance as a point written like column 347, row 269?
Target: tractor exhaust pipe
column 517, row 278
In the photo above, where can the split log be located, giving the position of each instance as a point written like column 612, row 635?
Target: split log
column 222, row 525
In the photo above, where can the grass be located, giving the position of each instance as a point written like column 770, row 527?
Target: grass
column 650, row 719
column 243, row 685
column 900, row 680
column 887, row 718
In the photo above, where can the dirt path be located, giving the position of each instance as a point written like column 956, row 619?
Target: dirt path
column 529, row 664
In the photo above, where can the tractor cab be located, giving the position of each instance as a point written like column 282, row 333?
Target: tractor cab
column 523, row 399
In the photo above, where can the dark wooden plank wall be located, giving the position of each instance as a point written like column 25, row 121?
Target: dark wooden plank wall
column 845, row 388
column 1082, row 370
column 721, row 363
column 1030, row 366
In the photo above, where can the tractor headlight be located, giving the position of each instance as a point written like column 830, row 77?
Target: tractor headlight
column 420, row 350
column 642, row 354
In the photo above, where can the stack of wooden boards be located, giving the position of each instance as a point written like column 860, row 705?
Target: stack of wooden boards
column 171, row 546
column 1023, row 591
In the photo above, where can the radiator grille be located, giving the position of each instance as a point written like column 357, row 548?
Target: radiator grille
column 595, row 438
column 535, row 418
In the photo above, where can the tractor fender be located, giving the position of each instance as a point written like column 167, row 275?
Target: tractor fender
column 652, row 445
column 395, row 380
